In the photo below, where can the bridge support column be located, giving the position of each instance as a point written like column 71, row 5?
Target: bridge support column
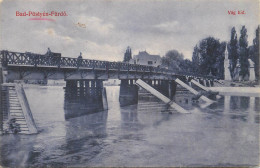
column 204, row 82
column 84, row 97
column 211, row 83
column 81, row 88
column 201, row 81
column 71, row 87
column 165, row 87
column 86, row 84
column 128, row 92
column 208, row 83
column 150, row 82
column 170, row 88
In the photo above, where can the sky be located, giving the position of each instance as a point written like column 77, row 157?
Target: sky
column 102, row 29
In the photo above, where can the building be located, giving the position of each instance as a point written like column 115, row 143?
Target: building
column 144, row 58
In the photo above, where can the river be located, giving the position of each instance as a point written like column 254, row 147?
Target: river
column 223, row 134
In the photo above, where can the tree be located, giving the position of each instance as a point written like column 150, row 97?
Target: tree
column 219, row 65
column 256, row 53
column 128, row 55
column 187, row 66
column 209, row 51
column 243, row 53
column 172, row 60
column 196, row 57
column 233, row 51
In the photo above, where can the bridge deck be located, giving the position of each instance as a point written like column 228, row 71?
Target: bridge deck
column 24, row 60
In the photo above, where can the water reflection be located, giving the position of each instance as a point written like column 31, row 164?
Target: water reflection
column 15, row 151
column 129, row 119
column 184, row 98
column 242, row 108
column 235, row 102
column 244, row 102
column 226, row 104
column 129, row 116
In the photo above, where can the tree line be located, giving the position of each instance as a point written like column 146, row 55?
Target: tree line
column 209, row 54
column 240, row 52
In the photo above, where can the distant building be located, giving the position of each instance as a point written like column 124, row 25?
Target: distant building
column 144, row 58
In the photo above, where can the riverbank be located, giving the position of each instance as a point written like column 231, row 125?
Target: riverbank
column 237, row 91
column 224, row 83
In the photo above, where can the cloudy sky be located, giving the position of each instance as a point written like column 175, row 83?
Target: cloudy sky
column 111, row 25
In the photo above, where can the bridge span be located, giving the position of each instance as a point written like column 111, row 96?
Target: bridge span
column 84, row 78
column 22, row 66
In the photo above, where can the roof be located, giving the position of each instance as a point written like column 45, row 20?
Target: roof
column 146, row 55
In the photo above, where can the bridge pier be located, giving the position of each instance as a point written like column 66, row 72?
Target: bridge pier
column 204, row 82
column 201, row 82
column 211, row 83
column 208, row 83
column 166, row 87
column 84, row 97
column 128, row 92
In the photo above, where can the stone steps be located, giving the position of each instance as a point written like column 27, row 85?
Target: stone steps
column 16, row 110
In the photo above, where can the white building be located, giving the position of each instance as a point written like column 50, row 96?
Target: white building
column 144, row 58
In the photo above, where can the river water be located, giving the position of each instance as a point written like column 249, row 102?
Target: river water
column 223, row 134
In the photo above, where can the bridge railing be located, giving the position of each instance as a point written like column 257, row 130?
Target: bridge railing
column 37, row 60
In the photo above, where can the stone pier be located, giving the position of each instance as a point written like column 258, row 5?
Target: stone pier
column 129, row 90
column 84, row 97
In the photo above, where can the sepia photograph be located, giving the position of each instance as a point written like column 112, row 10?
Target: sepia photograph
column 129, row 83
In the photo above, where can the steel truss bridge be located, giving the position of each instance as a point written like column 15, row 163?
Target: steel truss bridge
column 36, row 66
